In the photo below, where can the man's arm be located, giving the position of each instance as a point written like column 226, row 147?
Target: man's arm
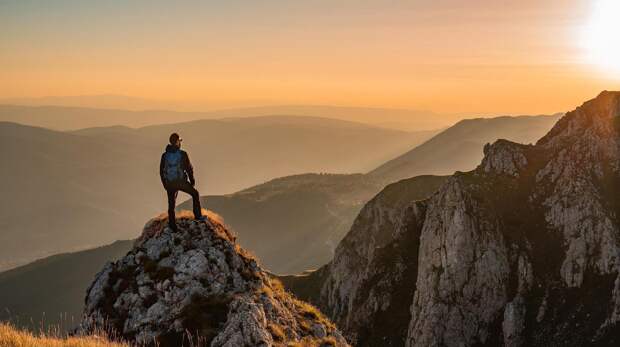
column 189, row 169
column 161, row 171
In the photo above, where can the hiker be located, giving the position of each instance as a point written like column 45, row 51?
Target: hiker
column 176, row 174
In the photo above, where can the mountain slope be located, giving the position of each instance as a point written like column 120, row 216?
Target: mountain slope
column 66, row 192
column 198, row 284
column 49, row 288
column 458, row 148
column 303, row 217
column 522, row 251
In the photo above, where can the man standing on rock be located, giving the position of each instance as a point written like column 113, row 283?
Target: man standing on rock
column 176, row 174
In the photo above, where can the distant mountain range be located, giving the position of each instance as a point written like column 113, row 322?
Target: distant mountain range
column 86, row 112
column 99, row 101
column 458, row 148
column 236, row 153
column 75, row 190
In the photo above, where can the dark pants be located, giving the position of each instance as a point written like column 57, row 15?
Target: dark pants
column 172, row 189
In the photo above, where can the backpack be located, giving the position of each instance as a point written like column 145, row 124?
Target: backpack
column 173, row 166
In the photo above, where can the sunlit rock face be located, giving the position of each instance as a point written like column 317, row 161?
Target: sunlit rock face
column 522, row 251
column 197, row 285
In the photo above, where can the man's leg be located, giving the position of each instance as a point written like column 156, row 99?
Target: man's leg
column 172, row 200
column 187, row 188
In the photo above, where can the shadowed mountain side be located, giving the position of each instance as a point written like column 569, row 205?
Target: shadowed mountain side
column 307, row 284
column 327, row 205
column 51, row 288
column 458, row 148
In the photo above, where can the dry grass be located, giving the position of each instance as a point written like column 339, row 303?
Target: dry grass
column 306, row 314
column 314, row 342
column 11, row 337
column 310, row 312
column 276, row 332
column 156, row 225
column 277, row 285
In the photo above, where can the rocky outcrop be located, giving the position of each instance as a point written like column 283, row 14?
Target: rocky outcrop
column 368, row 284
column 522, row 251
column 463, row 270
column 504, row 157
column 198, row 285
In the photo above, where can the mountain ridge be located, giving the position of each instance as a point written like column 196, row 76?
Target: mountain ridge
column 522, row 251
column 459, row 146
column 75, row 117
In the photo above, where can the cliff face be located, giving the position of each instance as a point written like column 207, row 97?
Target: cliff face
column 198, row 285
column 372, row 270
column 522, row 251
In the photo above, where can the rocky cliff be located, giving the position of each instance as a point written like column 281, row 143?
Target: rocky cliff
column 196, row 286
column 522, row 251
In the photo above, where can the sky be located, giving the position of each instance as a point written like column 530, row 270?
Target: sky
column 447, row 56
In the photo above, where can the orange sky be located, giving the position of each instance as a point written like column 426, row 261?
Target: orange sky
column 449, row 56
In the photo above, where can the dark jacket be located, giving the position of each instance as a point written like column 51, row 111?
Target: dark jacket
column 186, row 165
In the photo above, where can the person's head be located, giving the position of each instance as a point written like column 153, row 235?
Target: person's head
column 175, row 140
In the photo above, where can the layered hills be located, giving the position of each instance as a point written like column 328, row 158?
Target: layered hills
column 48, row 293
column 459, row 148
column 94, row 186
column 66, row 113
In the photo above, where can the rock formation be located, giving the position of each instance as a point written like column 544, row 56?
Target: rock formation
column 197, row 286
column 522, row 251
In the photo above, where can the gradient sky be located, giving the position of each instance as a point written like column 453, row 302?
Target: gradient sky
column 475, row 56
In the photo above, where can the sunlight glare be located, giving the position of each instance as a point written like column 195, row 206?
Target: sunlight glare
column 601, row 37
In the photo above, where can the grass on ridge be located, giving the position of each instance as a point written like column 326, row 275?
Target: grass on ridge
column 11, row 337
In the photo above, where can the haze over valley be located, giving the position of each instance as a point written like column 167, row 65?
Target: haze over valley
column 71, row 113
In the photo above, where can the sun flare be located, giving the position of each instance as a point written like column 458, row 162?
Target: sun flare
column 601, row 37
